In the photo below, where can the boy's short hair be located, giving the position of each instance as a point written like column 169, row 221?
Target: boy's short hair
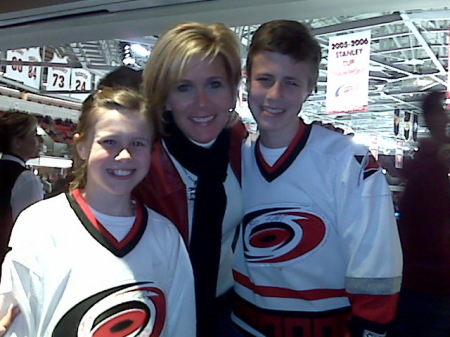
column 286, row 37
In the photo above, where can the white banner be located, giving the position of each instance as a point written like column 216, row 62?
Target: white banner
column 33, row 78
column 348, row 73
column 16, row 72
column 373, row 146
column 81, row 80
column 58, row 78
column 399, row 154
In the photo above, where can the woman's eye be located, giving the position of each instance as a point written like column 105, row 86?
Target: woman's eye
column 215, row 84
column 291, row 82
column 183, row 87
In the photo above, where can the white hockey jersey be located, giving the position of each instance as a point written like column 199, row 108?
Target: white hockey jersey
column 72, row 278
column 318, row 224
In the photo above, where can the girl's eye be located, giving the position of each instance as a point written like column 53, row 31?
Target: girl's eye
column 292, row 82
column 139, row 144
column 108, row 142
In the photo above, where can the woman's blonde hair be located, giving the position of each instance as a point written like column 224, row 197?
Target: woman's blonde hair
column 124, row 100
column 173, row 51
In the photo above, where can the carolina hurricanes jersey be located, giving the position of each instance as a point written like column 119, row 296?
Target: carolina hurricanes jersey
column 71, row 278
column 318, row 223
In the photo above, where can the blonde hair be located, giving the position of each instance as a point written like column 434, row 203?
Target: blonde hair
column 173, row 51
column 124, row 100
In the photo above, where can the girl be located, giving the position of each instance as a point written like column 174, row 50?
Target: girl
column 94, row 262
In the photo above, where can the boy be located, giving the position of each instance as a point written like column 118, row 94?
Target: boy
column 319, row 244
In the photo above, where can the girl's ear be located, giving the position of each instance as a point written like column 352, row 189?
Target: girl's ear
column 81, row 147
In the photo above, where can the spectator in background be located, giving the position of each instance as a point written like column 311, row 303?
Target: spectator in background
column 424, row 307
column 122, row 76
column 19, row 187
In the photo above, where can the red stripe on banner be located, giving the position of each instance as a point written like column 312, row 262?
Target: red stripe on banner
column 308, row 295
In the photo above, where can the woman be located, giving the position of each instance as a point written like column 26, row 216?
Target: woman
column 190, row 84
column 19, row 187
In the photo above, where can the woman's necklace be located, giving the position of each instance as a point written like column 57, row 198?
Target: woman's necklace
column 191, row 190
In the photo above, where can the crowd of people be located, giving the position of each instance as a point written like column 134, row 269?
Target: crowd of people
column 177, row 224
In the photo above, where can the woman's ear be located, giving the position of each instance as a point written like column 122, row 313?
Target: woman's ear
column 81, row 147
column 16, row 144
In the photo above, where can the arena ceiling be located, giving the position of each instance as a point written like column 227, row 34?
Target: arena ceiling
column 409, row 47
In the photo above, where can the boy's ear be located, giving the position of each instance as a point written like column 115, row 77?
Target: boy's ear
column 313, row 90
column 81, row 147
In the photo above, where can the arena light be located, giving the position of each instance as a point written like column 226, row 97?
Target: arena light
column 139, row 50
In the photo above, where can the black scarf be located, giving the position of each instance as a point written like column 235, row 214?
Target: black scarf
column 210, row 166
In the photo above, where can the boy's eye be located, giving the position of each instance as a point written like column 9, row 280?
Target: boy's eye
column 264, row 80
column 292, row 82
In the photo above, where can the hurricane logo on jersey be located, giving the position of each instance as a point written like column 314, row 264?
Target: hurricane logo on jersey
column 279, row 235
column 133, row 310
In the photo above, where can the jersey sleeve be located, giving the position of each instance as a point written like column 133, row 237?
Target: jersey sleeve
column 369, row 234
